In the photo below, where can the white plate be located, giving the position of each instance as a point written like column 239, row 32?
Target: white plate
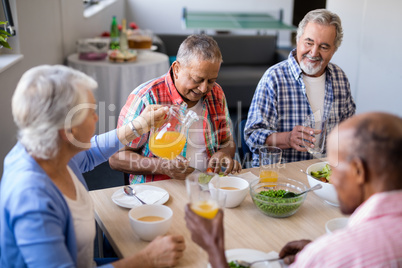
column 251, row 255
column 121, row 199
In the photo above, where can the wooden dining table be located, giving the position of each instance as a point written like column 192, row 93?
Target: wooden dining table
column 245, row 226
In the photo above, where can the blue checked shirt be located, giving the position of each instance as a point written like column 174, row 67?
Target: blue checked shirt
column 280, row 103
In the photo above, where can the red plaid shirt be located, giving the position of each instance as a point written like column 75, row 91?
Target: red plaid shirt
column 216, row 123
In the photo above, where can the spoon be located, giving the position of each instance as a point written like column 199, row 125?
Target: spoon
column 292, row 194
column 302, row 171
column 249, row 264
column 130, row 191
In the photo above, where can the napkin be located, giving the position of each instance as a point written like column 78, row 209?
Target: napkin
column 151, row 196
column 248, row 176
column 148, row 196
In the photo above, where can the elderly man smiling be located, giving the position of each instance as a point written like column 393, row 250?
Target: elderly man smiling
column 190, row 83
column 306, row 83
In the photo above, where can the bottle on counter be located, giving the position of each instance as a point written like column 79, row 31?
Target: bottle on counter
column 114, row 34
column 123, row 36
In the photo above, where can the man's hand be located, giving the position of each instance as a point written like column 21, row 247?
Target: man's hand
column 208, row 234
column 221, row 159
column 165, row 251
column 289, row 251
column 301, row 136
column 176, row 168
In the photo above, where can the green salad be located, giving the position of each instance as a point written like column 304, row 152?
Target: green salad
column 323, row 175
column 232, row 264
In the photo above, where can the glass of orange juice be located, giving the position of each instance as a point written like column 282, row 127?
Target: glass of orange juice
column 270, row 160
column 203, row 202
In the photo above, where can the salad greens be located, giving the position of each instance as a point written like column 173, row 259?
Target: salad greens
column 204, row 178
column 233, row 264
column 324, row 174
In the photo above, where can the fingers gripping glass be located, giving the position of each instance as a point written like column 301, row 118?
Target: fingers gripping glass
column 320, row 127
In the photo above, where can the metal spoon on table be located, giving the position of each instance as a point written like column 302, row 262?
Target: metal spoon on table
column 292, row 194
column 249, row 264
column 130, row 191
column 304, row 172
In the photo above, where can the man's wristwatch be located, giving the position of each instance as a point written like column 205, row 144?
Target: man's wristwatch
column 131, row 125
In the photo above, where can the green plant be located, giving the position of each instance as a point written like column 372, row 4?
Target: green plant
column 3, row 36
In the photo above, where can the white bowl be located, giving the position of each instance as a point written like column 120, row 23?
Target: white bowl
column 336, row 224
column 148, row 230
column 234, row 197
column 327, row 192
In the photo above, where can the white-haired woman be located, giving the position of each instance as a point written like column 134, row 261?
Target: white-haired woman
column 46, row 214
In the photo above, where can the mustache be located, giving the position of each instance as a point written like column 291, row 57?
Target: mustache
column 312, row 58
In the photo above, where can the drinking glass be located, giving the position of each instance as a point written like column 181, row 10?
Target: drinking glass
column 315, row 121
column 203, row 202
column 270, row 160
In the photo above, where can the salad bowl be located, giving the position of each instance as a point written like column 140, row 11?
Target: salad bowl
column 327, row 192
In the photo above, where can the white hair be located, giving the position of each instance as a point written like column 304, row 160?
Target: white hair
column 41, row 102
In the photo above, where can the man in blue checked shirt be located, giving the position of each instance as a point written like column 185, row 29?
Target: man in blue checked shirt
column 306, row 83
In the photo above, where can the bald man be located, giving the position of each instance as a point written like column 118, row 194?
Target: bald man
column 365, row 154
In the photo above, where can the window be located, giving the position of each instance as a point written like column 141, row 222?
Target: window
column 92, row 7
column 9, row 56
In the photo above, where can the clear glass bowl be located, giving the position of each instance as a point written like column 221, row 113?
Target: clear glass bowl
column 278, row 207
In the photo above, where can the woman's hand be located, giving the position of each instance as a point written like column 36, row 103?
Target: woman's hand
column 165, row 251
column 152, row 115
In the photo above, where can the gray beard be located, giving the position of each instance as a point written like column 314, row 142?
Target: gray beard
column 309, row 69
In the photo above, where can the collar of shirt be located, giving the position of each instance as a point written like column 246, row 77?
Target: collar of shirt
column 376, row 206
column 174, row 93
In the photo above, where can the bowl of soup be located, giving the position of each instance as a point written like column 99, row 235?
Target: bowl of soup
column 235, row 189
column 149, row 221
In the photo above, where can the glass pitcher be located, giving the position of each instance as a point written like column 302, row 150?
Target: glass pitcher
column 167, row 140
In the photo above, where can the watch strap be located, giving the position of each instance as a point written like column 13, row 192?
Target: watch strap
column 131, row 125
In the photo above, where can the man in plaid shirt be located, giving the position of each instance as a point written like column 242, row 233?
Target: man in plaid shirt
column 190, row 83
column 306, row 83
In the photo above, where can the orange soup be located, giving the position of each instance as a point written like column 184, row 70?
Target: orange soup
column 151, row 218
column 168, row 146
column 229, row 188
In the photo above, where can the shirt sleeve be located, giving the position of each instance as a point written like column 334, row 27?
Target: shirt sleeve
column 262, row 116
column 39, row 230
column 102, row 147
column 350, row 106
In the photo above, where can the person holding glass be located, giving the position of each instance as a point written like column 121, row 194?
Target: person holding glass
column 364, row 153
column 304, row 84
column 46, row 214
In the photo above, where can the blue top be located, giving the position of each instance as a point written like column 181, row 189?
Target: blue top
column 280, row 103
column 36, row 226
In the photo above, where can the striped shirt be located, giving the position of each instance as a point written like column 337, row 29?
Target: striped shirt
column 373, row 238
column 280, row 103
column 161, row 90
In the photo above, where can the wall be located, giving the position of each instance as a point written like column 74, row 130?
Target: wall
column 40, row 26
column 163, row 16
column 370, row 53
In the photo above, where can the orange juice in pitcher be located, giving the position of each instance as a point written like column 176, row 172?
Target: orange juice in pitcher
column 167, row 145
column 168, row 139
